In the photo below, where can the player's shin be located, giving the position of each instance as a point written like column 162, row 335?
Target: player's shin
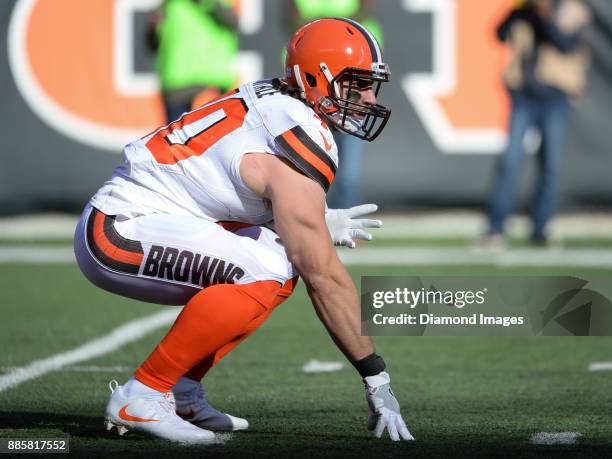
column 211, row 319
column 191, row 401
column 198, row 372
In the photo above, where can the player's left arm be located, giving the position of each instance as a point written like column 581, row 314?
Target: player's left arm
column 299, row 205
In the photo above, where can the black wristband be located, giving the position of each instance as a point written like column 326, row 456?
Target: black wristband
column 370, row 365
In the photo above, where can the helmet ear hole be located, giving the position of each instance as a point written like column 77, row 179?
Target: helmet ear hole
column 311, row 80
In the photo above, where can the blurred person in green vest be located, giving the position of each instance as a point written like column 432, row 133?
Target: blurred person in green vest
column 346, row 190
column 197, row 45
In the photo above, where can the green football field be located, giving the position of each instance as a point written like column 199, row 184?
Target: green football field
column 461, row 395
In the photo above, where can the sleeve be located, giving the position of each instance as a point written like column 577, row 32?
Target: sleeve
column 312, row 157
column 298, row 135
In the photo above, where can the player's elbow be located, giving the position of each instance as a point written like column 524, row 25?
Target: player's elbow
column 322, row 281
column 315, row 267
column 318, row 282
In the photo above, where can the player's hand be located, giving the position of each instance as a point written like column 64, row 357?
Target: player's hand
column 345, row 225
column 384, row 408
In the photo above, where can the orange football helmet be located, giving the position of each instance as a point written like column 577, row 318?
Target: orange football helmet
column 329, row 61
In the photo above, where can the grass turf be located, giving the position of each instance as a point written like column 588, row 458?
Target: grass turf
column 462, row 395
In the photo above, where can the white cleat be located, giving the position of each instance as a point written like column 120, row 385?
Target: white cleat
column 153, row 413
column 192, row 406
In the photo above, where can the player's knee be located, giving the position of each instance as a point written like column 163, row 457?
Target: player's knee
column 288, row 287
column 263, row 292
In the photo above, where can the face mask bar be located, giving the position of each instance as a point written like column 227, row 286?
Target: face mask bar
column 365, row 121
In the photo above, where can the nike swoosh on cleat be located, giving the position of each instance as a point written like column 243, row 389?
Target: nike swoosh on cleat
column 123, row 414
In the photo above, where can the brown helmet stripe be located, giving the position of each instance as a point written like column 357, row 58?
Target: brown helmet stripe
column 372, row 43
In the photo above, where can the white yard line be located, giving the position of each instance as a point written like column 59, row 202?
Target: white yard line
column 317, row 366
column 555, row 438
column 97, row 368
column 412, row 224
column 117, row 338
column 600, row 366
column 457, row 256
column 38, row 226
column 82, row 369
column 457, row 223
column 396, row 256
column 32, row 254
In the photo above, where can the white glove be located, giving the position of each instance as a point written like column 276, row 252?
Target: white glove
column 384, row 408
column 344, row 225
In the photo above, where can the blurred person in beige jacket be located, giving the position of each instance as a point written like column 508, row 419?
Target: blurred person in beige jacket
column 547, row 70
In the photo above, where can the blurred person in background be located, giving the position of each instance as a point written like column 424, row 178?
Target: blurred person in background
column 197, row 44
column 347, row 188
column 547, row 69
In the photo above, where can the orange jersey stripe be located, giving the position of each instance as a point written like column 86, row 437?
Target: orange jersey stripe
column 308, row 155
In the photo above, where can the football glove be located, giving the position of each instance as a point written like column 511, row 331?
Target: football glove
column 384, row 409
column 345, row 225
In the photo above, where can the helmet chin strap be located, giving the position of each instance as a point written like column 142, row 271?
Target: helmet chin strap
column 298, row 78
column 330, row 78
column 350, row 123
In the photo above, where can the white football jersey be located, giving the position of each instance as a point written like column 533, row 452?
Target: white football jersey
column 191, row 166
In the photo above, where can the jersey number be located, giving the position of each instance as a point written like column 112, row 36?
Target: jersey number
column 194, row 133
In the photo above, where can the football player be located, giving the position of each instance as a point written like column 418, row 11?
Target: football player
column 222, row 210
